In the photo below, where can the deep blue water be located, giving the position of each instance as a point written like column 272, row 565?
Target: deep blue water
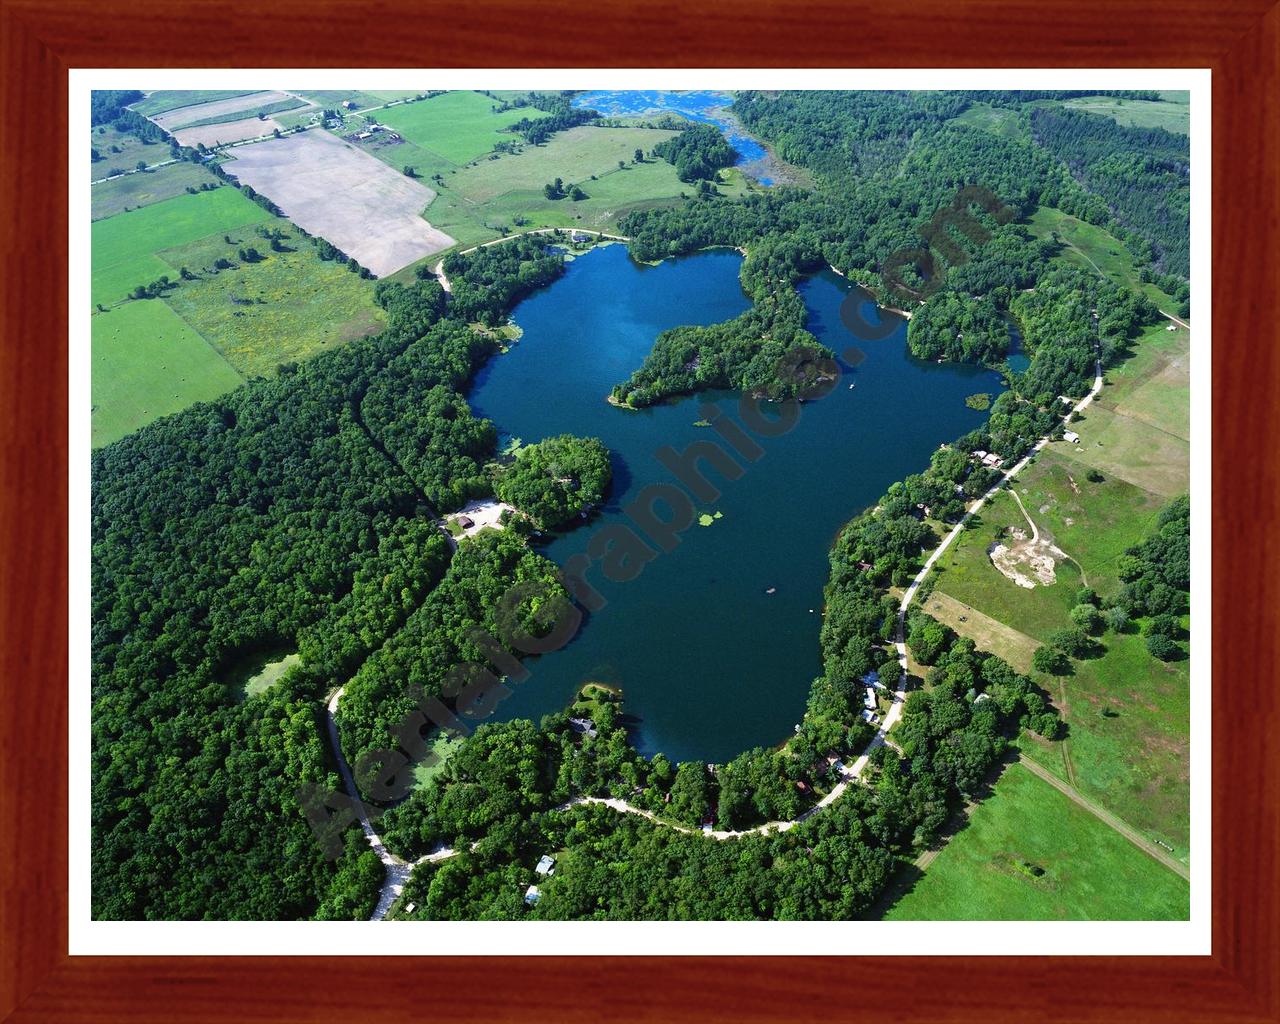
column 709, row 662
column 697, row 106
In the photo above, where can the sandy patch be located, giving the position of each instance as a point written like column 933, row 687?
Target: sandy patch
column 342, row 194
column 1023, row 560
column 482, row 514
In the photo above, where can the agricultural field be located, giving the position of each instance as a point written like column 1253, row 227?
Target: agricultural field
column 171, row 99
column 338, row 192
column 231, row 109
column 1028, row 852
column 124, row 246
column 456, row 126
column 1172, row 112
column 334, row 99
column 288, row 306
column 476, row 202
column 144, row 188
column 1094, row 248
column 147, row 363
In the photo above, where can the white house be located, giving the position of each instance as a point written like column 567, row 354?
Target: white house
column 532, row 895
column 870, row 700
column 546, row 866
column 1072, row 436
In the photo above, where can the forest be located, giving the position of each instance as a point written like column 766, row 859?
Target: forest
column 298, row 513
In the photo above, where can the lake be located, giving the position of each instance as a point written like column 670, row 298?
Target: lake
column 707, row 107
column 709, row 661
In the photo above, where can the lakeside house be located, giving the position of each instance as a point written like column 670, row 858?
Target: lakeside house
column 584, row 726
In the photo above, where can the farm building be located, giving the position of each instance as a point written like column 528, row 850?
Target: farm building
column 1072, row 436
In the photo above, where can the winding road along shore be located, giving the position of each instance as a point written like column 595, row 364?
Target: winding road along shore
column 398, row 870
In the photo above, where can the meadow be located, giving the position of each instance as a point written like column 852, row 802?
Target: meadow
column 997, row 120
column 1093, row 522
column 1172, row 112
column 1030, row 853
column 124, row 246
column 457, row 126
column 121, row 151
column 130, row 191
column 288, row 306
column 147, row 363
column 1093, row 248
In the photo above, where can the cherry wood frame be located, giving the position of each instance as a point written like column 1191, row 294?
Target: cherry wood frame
column 41, row 39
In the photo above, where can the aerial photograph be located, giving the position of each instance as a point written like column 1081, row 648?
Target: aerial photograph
column 639, row 505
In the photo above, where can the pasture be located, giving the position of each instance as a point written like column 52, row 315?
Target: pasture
column 338, row 192
column 147, row 187
column 124, row 246
column 1092, row 522
column 1172, row 112
column 288, row 306
column 1093, row 248
column 147, row 363
column 457, row 126
column 1128, row 747
column 1028, row 852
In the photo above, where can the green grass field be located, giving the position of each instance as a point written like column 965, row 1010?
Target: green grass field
column 147, row 363
column 162, row 102
column 458, row 126
column 278, row 107
column 475, row 202
column 124, row 246
column 1172, row 113
column 1094, row 523
column 292, row 305
column 334, row 98
column 133, row 190
column 987, row 871
column 997, row 120
column 1093, row 248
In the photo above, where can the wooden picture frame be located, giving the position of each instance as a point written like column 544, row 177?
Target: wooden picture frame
column 41, row 39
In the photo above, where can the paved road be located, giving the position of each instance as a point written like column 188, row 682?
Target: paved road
column 1109, row 819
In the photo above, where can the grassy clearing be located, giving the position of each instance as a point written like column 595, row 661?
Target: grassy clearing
column 1093, row 248
column 147, row 187
column 147, row 363
column 124, row 246
column 163, row 102
column 289, row 306
column 121, row 151
column 1128, row 747
column 997, row 120
column 989, row 634
column 257, row 672
column 442, row 747
column 1172, row 113
column 1092, row 522
column 988, row 871
column 333, row 99
column 458, row 126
